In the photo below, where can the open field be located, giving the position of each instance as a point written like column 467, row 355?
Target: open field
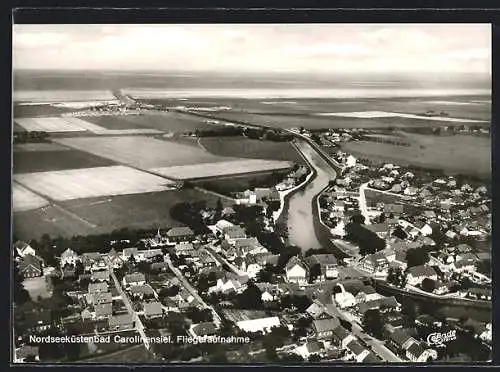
column 36, row 287
column 125, row 132
column 62, row 95
column 129, row 355
column 24, row 200
column 163, row 121
column 38, row 147
column 142, row 152
column 453, row 154
column 57, row 124
column 33, row 111
column 223, row 168
column 62, row 158
column 92, row 182
column 251, row 148
column 385, row 114
column 105, row 214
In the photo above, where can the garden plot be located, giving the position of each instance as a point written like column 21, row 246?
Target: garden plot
column 92, row 182
column 57, row 124
column 218, row 169
column 25, row 200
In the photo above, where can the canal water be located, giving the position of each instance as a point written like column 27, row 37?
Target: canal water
column 300, row 218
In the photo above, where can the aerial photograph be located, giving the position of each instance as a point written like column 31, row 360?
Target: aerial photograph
column 251, row 194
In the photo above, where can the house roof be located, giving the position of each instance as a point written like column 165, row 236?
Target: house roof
column 385, row 302
column 103, row 309
column 100, row 275
column 135, row 277
column 399, row 336
column 416, row 349
column 180, row 231
column 102, row 297
column 295, row 261
column 340, row 332
column 184, row 247
column 321, row 259
column 152, row 308
column 355, row 347
column 325, row 325
column 130, row 251
column 121, row 319
column 422, row 270
column 371, row 358
column 30, row 260
column 235, row 232
column 69, row 253
column 313, row 346
column 98, row 287
column 204, row 329
column 26, row 350
column 144, row 289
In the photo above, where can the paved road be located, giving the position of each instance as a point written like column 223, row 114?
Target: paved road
column 223, row 261
column 362, row 203
column 194, row 292
column 139, row 327
column 377, row 346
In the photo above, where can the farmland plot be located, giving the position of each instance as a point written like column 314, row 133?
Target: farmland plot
column 142, row 152
column 195, row 171
column 38, row 147
column 62, row 95
column 57, row 124
column 24, row 200
column 92, row 182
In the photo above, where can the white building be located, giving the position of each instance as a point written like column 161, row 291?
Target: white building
column 259, row 325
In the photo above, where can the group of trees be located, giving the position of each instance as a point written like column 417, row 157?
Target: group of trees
column 30, row 137
column 396, row 276
column 373, row 322
column 368, row 241
column 189, row 214
column 417, row 256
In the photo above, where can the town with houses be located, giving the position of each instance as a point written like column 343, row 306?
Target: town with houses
column 405, row 242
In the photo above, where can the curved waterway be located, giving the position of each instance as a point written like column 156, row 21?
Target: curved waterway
column 300, row 219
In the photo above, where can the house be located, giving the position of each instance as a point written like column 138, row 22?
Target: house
column 150, row 254
column 327, row 264
column 203, row 330
column 401, row 340
column 417, row 274
column 180, row 234
column 38, row 320
column 296, row 271
column 23, row 249
column 426, row 230
column 115, row 260
column 323, row 328
column 103, row 311
column 367, row 294
column 395, row 209
column 159, row 267
column 311, row 347
column 152, row 310
column 350, row 161
column 100, row 298
column 26, row 354
column 129, row 252
column 342, row 337
column 184, row 248
column 376, row 263
column 462, row 266
column 101, row 276
column 479, row 293
column 384, row 304
column 344, row 293
column 410, row 191
column 418, row 354
column 263, row 324
column 355, row 349
column 381, row 229
column 31, row 266
column 120, row 322
column 141, row 291
column 68, row 257
column 93, row 261
column 451, row 235
column 267, row 296
column 99, row 287
column 316, row 310
column 134, row 279
column 222, row 224
column 227, row 285
column 228, row 211
column 400, row 259
column 232, row 233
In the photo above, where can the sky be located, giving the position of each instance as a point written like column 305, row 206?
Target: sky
column 316, row 48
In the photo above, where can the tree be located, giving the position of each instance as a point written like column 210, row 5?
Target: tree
column 250, row 298
column 314, row 272
column 21, row 295
column 408, row 309
column 372, row 322
column 428, row 285
column 314, row 358
column 417, row 256
column 399, row 233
